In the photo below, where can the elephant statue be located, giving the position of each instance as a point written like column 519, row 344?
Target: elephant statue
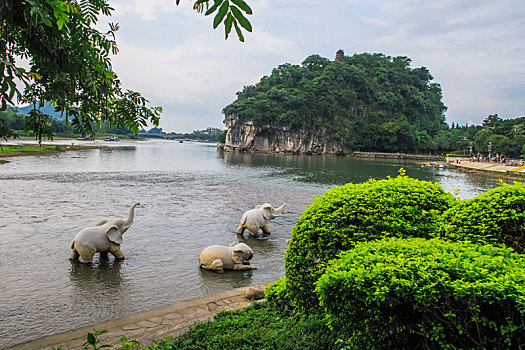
column 105, row 237
column 233, row 257
column 259, row 218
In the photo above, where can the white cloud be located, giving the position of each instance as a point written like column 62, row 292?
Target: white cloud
column 171, row 54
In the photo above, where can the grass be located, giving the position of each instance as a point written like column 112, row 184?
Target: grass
column 260, row 326
column 13, row 149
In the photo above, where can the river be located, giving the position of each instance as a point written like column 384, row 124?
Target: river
column 191, row 196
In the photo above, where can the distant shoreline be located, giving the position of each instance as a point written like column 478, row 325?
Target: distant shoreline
column 42, row 152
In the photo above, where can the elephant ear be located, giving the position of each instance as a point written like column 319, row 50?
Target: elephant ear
column 114, row 235
column 267, row 212
column 237, row 256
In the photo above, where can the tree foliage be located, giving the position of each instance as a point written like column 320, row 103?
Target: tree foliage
column 369, row 102
column 70, row 62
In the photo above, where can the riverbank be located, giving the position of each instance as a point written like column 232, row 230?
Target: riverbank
column 354, row 154
column 19, row 150
column 489, row 168
column 147, row 326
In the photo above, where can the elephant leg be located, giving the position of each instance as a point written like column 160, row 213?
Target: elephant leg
column 74, row 255
column 116, row 252
column 86, row 254
column 266, row 228
column 240, row 229
column 244, row 267
column 215, row 265
column 104, row 256
column 253, row 230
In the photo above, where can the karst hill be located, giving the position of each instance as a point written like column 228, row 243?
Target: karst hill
column 364, row 102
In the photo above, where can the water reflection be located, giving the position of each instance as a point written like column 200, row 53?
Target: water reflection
column 210, row 279
column 105, row 271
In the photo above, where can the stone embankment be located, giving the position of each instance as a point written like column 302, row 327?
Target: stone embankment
column 152, row 325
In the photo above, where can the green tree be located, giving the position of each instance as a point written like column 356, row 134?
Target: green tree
column 368, row 102
column 70, row 65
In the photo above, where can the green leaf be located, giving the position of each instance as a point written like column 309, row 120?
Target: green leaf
column 214, row 7
column 238, row 30
column 240, row 17
column 91, row 338
column 228, row 24
column 220, row 15
column 244, row 6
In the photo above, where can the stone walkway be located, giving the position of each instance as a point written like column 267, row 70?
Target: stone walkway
column 147, row 326
column 486, row 167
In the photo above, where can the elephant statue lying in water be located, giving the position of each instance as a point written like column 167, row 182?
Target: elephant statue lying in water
column 105, row 237
column 259, row 218
column 233, row 257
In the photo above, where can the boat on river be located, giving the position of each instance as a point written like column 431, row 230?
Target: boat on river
column 111, row 138
column 85, row 138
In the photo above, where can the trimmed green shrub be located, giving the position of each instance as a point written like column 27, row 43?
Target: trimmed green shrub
column 417, row 293
column 353, row 213
column 276, row 293
column 496, row 217
column 260, row 326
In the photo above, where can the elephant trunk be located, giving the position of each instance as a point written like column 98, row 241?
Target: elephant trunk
column 278, row 211
column 129, row 220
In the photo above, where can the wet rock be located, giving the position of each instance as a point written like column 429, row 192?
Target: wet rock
column 254, row 293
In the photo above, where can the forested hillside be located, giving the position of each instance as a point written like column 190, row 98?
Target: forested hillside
column 368, row 102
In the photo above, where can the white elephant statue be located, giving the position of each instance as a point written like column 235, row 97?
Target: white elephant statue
column 259, row 218
column 105, row 237
column 219, row 257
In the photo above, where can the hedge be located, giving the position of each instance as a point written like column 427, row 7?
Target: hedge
column 277, row 294
column 496, row 217
column 346, row 215
column 418, row 293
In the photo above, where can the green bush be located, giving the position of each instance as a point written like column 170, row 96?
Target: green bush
column 335, row 222
column 260, row 326
column 496, row 217
column 276, row 293
column 417, row 293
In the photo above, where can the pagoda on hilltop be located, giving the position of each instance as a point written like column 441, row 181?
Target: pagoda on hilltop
column 340, row 56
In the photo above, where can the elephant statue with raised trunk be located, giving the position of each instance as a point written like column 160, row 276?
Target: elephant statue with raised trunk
column 259, row 218
column 104, row 238
column 219, row 257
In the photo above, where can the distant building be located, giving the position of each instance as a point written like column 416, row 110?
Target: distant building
column 213, row 131
column 208, row 131
column 340, row 56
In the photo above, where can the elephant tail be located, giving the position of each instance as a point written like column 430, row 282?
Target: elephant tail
column 73, row 245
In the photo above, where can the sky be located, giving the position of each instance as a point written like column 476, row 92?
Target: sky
column 474, row 48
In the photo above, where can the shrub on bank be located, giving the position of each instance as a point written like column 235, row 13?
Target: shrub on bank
column 496, row 217
column 260, row 326
column 277, row 294
column 417, row 293
column 344, row 216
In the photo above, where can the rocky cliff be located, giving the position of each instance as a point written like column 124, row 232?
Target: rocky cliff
column 246, row 137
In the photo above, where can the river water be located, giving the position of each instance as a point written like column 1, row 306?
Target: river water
column 191, row 197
